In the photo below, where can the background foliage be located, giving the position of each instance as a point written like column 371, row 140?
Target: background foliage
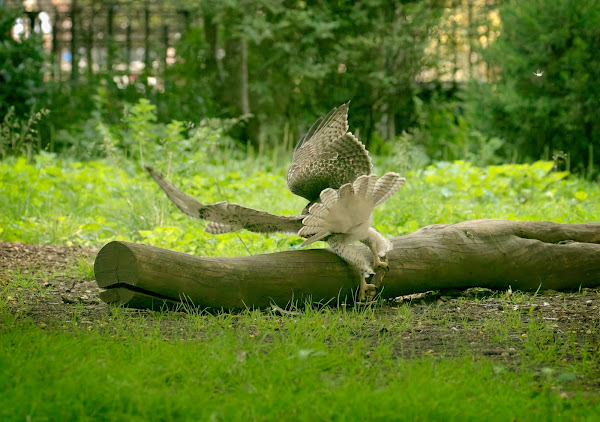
column 452, row 79
column 57, row 201
column 559, row 110
column 21, row 65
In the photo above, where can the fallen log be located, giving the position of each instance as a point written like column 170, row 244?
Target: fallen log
column 526, row 255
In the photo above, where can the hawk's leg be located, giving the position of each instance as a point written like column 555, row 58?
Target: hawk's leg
column 352, row 256
column 379, row 246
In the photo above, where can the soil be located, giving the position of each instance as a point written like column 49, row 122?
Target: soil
column 449, row 323
column 57, row 285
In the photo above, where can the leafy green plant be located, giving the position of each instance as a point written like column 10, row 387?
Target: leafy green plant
column 54, row 200
column 19, row 136
column 445, row 134
column 21, row 68
column 140, row 138
column 545, row 98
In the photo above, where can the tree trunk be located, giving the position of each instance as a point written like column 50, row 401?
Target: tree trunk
column 110, row 41
column 147, row 65
column 74, row 45
column 486, row 253
column 211, row 31
column 236, row 91
column 243, row 75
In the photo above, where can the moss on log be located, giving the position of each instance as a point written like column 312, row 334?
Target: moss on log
column 526, row 255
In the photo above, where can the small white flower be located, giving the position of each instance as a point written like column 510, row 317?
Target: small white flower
column 538, row 73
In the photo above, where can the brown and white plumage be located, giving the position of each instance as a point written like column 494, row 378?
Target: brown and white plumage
column 348, row 210
column 328, row 156
column 332, row 169
column 224, row 217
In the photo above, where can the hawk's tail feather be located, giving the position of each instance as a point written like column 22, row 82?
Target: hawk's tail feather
column 316, row 237
column 386, row 186
column 368, row 191
column 361, row 185
column 313, row 221
column 329, row 197
column 364, row 185
column 346, row 191
column 313, row 227
column 319, row 210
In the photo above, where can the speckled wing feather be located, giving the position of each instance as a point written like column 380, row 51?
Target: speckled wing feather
column 328, row 156
column 225, row 217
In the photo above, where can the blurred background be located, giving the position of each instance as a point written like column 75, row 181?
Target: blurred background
column 487, row 81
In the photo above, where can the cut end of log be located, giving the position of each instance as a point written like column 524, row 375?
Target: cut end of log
column 115, row 264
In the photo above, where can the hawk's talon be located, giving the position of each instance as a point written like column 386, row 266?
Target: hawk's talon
column 383, row 265
column 378, row 263
column 366, row 287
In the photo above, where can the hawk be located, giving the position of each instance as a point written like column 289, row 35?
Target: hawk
column 330, row 168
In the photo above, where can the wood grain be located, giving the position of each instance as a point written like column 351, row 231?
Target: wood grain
column 526, row 255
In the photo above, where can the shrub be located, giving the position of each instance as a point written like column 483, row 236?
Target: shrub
column 21, row 68
column 20, row 136
column 546, row 97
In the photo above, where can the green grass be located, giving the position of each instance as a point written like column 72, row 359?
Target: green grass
column 320, row 365
column 327, row 364
column 61, row 202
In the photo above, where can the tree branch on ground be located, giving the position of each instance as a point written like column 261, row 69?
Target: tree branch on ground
column 525, row 255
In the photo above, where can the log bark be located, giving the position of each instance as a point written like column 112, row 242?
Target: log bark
column 486, row 253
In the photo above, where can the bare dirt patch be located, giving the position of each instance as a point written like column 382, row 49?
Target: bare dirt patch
column 46, row 281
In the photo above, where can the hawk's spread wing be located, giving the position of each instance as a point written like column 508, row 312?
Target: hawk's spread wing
column 225, row 217
column 328, row 156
